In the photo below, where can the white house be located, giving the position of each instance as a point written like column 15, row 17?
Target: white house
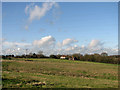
column 63, row 57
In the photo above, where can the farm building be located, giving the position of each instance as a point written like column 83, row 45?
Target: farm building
column 63, row 57
column 67, row 57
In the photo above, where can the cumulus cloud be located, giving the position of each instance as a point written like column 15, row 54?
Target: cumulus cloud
column 95, row 43
column 15, row 48
column 49, row 46
column 36, row 12
column 15, row 51
column 66, row 42
column 47, row 41
column 95, row 46
column 72, row 49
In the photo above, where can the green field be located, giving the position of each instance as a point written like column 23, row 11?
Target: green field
column 56, row 73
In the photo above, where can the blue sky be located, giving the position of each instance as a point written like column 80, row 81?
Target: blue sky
column 83, row 22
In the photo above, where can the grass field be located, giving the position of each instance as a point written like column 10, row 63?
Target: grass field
column 56, row 73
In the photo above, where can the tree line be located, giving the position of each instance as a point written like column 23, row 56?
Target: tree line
column 102, row 58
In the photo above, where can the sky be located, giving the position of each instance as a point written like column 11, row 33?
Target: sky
column 60, row 27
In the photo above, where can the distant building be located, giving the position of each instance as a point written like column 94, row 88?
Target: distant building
column 63, row 57
column 67, row 57
column 104, row 54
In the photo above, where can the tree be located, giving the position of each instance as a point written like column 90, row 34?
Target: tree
column 34, row 55
column 40, row 54
column 53, row 56
column 58, row 56
column 77, row 56
column 104, row 54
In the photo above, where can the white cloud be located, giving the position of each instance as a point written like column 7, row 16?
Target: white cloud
column 47, row 41
column 72, row 49
column 9, row 44
column 36, row 12
column 95, row 43
column 15, row 48
column 68, row 41
column 28, row 8
column 49, row 46
column 83, row 46
column 59, row 45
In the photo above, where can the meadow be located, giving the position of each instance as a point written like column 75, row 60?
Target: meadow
column 56, row 73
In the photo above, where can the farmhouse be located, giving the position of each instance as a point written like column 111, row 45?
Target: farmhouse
column 63, row 57
column 67, row 57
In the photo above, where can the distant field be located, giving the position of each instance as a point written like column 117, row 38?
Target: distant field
column 56, row 73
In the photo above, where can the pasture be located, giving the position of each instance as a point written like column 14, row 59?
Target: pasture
column 56, row 73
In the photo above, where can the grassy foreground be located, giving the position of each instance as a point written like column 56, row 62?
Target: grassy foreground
column 56, row 73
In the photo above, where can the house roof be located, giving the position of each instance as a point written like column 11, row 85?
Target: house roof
column 63, row 56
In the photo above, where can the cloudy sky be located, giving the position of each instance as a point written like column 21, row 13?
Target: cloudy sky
column 60, row 28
